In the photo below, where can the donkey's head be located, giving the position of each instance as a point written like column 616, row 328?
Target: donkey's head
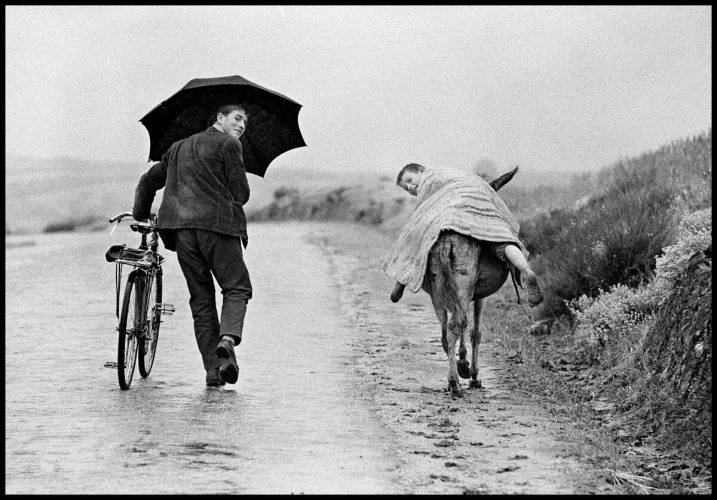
column 501, row 181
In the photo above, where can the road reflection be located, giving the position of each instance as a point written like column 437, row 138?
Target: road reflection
column 294, row 423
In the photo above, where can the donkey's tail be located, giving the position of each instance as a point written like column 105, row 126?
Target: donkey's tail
column 448, row 297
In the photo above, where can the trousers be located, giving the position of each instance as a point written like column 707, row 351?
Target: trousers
column 201, row 255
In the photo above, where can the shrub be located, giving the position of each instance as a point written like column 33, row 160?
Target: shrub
column 610, row 314
column 617, row 235
column 540, row 234
column 612, row 240
column 694, row 234
column 608, row 318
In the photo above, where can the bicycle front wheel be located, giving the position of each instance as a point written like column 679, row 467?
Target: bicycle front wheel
column 130, row 327
column 148, row 342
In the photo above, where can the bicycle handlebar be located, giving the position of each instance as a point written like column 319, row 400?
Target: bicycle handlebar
column 123, row 215
column 120, row 216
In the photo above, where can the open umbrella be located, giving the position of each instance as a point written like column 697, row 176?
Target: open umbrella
column 273, row 126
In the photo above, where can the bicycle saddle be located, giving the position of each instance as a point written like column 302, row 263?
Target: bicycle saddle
column 124, row 252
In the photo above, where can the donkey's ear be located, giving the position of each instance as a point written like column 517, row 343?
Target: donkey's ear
column 498, row 183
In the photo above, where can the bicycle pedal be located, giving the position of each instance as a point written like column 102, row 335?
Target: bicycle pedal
column 167, row 309
column 110, row 364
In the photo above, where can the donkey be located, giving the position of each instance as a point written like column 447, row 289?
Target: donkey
column 461, row 270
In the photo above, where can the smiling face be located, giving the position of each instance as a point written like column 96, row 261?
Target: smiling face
column 234, row 123
column 409, row 181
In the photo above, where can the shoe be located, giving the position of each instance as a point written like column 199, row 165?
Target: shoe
column 229, row 371
column 535, row 295
column 397, row 292
column 214, row 379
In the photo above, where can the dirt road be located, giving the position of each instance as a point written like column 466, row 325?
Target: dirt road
column 494, row 440
column 340, row 391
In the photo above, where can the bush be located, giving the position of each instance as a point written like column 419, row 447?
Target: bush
column 694, row 234
column 610, row 316
column 540, row 234
column 612, row 240
column 616, row 236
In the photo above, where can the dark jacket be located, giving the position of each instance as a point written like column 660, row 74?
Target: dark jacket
column 205, row 187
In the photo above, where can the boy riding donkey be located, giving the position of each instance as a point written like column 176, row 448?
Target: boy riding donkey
column 458, row 245
column 463, row 202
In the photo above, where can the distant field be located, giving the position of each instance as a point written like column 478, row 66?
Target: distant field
column 40, row 193
column 43, row 192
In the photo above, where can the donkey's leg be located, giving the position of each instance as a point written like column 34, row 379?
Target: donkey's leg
column 462, row 364
column 465, row 276
column 456, row 326
column 442, row 316
column 475, row 341
column 456, row 330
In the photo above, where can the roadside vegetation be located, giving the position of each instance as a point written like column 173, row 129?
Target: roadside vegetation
column 629, row 297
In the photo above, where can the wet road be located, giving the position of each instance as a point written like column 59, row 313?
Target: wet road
column 296, row 422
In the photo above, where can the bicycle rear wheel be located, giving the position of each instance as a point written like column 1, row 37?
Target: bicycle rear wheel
column 130, row 326
column 148, row 342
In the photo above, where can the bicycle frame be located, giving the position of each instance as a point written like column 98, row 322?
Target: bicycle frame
column 145, row 259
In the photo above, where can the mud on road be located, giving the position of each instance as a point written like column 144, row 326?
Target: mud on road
column 494, row 440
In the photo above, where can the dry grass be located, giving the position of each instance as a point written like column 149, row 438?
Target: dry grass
column 640, row 483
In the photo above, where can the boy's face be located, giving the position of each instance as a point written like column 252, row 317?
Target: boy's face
column 409, row 181
column 234, row 123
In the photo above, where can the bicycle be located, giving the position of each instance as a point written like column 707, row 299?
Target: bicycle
column 142, row 305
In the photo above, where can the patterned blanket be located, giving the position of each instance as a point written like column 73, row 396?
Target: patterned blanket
column 448, row 199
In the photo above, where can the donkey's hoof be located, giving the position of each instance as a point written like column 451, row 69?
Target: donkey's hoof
column 455, row 390
column 475, row 384
column 464, row 368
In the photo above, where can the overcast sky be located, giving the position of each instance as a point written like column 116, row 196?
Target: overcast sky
column 568, row 88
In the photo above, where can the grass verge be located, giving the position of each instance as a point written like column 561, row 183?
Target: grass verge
column 605, row 434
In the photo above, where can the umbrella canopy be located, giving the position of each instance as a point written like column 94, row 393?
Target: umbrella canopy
column 272, row 129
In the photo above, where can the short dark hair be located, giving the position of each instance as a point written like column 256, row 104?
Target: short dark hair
column 411, row 167
column 225, row 109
